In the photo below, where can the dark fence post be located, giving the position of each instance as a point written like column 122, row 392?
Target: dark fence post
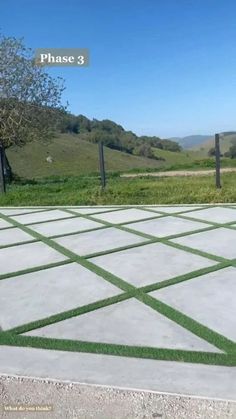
column 217, row 155
column 2, row 174
column 102, row 164
column 7, row 168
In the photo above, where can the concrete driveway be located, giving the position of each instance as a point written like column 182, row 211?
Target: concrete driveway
column 135, row 297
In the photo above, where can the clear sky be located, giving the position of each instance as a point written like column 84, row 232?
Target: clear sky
column 158, row 67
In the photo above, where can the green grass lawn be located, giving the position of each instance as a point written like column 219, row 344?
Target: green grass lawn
column 87, row 191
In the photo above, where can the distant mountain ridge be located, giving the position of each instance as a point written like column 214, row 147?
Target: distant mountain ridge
column 191, row 140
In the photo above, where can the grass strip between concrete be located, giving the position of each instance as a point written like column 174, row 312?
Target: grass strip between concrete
column 119, row 350
column 13, row 336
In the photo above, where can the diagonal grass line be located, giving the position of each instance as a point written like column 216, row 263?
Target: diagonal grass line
column 103, row 226
column 230, row 206
column 188, row 323
column 212, row 223
column 178, row 212
column 164, row 240
column 6, row 228
column 233, row 262
column 182, row 278
column 57, row 236
column 130, row 230
column 71, row 313
column 27, row 212
column 41, row 222
column 106, row 275
column 120, row 249
column 76, row 258
column 152, row 239
column 109, row 301
column 231, row 227
column 195, row 251
column 34, row 269
column 109, row 209
column 118, row 225
column 121, row 226
column 209, row 358
column 159, row 214
column 187, row 233
column 171, row 214
column 149, row 237
column 51, row 221
column 74, row 215
column 18, row 243
column 89, row 230
column 184, row 216
column 36, row 222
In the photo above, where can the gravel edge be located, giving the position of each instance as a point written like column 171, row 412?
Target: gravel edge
column 40, row 398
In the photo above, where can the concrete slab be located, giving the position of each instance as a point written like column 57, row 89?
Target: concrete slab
column 13, row 236
column 129, row 322
column 151, row 263
column 4, row 224
column 65, row 226
column 41, row 216
column 166, row 226
column 92, row 210
column 125, row 215
column 25, row 256
column 19, row 211
column 172, row 209
column 219, row 242
column 37, row 295
column 28, row 297
column 216, row 214
column 145, row 374
column 207, row 299
column 98, row 241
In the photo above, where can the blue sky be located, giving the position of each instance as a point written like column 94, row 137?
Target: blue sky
column 165, row 68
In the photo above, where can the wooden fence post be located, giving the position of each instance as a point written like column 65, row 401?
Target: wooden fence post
column 2, row 174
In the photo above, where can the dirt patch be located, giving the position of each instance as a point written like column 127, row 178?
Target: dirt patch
column 179, row 173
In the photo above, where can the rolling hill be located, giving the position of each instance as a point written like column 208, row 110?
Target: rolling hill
column 225, row 144
column 202, row 143
column 72, row 156
column 184, row 157
column 191, row 141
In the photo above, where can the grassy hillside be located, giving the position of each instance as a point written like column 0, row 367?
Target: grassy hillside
column 71, row 156
column 183, row 158
column 171, row 158
column 74, row 157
